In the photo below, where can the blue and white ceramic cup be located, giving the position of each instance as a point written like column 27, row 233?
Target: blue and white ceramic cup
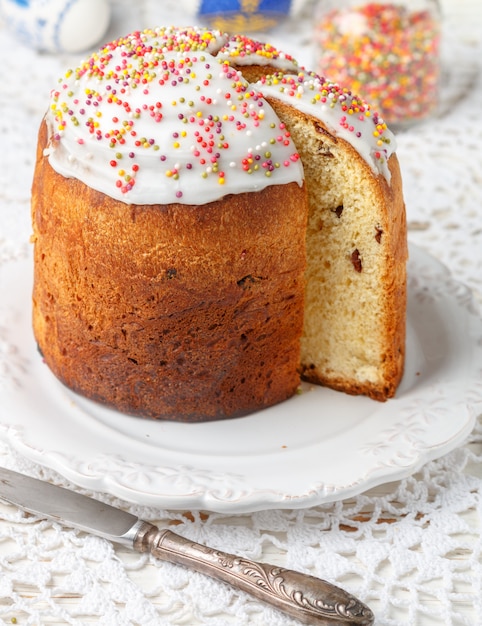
column 57, row 25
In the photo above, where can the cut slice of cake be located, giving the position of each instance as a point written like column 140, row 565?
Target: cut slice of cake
column 355, row 294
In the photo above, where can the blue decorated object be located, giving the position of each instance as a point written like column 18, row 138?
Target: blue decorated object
column 57, row 25
column 242, row 16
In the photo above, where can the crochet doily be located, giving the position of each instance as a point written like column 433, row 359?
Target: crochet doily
column 410, row 549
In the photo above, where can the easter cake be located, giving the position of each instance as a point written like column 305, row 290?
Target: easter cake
column 210, row 223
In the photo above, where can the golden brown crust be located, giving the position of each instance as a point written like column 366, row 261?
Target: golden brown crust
column 252, row 73
column 177, row 312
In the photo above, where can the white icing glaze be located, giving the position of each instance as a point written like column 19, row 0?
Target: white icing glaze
column 244, row 51
column 155, row 118
column 160, row 116
column 345, row 114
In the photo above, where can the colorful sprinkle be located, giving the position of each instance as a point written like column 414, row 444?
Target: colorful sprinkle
column 342, row 111
column 385, row 51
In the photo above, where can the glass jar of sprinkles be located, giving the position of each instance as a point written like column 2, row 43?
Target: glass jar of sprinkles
column 387, row 52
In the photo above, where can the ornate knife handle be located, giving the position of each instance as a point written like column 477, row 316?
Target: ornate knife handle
column 306, row 598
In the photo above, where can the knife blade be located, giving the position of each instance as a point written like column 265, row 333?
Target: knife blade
column 309, row 599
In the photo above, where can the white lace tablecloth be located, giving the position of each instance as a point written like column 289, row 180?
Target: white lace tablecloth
column 410, row 549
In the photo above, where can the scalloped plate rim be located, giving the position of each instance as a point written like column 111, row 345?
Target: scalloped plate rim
column 214, row 486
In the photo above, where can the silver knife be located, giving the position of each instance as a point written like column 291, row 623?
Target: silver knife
column 306, row 598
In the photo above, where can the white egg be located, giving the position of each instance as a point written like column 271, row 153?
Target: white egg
column 57, row 25
column 83, row 24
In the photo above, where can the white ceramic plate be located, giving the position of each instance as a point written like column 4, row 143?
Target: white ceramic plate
column 317, row 447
